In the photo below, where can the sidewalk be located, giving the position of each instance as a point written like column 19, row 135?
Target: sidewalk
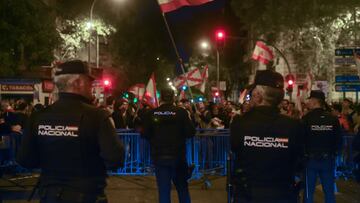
column 139, row 189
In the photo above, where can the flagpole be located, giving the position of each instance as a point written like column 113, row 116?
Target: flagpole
column 138, row 104
column 177, row 55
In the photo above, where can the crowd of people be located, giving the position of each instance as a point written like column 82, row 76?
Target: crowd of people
column 127, row 115
column 73, row 141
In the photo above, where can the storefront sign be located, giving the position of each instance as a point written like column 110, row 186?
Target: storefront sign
column 17, row 88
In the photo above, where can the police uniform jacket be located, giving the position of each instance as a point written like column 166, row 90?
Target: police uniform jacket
column 167, row 128
column 322, row 133
column 71, row 141
column 268, row 147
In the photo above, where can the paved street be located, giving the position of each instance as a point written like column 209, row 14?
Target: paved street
column 143, row 190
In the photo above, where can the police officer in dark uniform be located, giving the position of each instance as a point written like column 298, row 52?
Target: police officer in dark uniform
column 322, row 142
column 356, row 149
column 167, row 128
column 71, row 141
column 266, row 144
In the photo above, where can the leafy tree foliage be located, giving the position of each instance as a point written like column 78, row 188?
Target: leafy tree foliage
column 307, row 30
column 27, row 35
column 75, row 34
column 276, row 16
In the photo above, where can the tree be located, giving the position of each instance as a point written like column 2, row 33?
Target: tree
column 306, row 30
column 75, row 35
column 27, row 35
column 276, row 16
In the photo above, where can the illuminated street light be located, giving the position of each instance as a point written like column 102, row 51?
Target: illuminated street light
column 167, row 79
column 89, row 25
column 204, row 45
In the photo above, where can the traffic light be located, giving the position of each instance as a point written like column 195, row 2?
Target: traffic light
column 220, row 38
column 216, row 94
column 107, row 85
column 184, row 87
column 290, row 80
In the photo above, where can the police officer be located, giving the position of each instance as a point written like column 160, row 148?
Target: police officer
column 267, row 145
column 356, row 149
column 322, row 142
column 167, row 128
column 71, row 141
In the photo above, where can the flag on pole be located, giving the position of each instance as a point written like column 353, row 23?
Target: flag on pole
column 193, row 77
column 308, row 82
column 262, row 53
column 138, row 90
column 150, row 96
column 205, row 76
column 182, row 95
column 171, row 5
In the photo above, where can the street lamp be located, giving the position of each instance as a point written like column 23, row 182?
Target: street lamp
column 90, row 26
column 204, row 45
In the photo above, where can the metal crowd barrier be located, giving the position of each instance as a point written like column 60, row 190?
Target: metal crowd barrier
column 345, row 160
column 207, row 151
column 137, row 154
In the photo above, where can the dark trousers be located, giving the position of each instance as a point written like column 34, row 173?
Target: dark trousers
column 176, row 172
column 268, row 195
column 65, row 195
column 270, row 201
column 324, row 168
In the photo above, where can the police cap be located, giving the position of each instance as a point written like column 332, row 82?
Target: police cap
column 73, row 67
column 269, row 78
column 318, row 94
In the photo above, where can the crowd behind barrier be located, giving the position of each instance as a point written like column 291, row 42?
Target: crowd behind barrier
column 207, row 151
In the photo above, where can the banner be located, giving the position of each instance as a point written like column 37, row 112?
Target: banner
column 171, row 5
column 262, row 53
column 193, row 78
column 150, row 96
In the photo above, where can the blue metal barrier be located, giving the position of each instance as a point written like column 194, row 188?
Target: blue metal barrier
column 137, row 154
column 207, row 151
column 344, row 160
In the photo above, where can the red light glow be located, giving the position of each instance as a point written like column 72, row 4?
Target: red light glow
column 106, row 82
column 220, row 35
